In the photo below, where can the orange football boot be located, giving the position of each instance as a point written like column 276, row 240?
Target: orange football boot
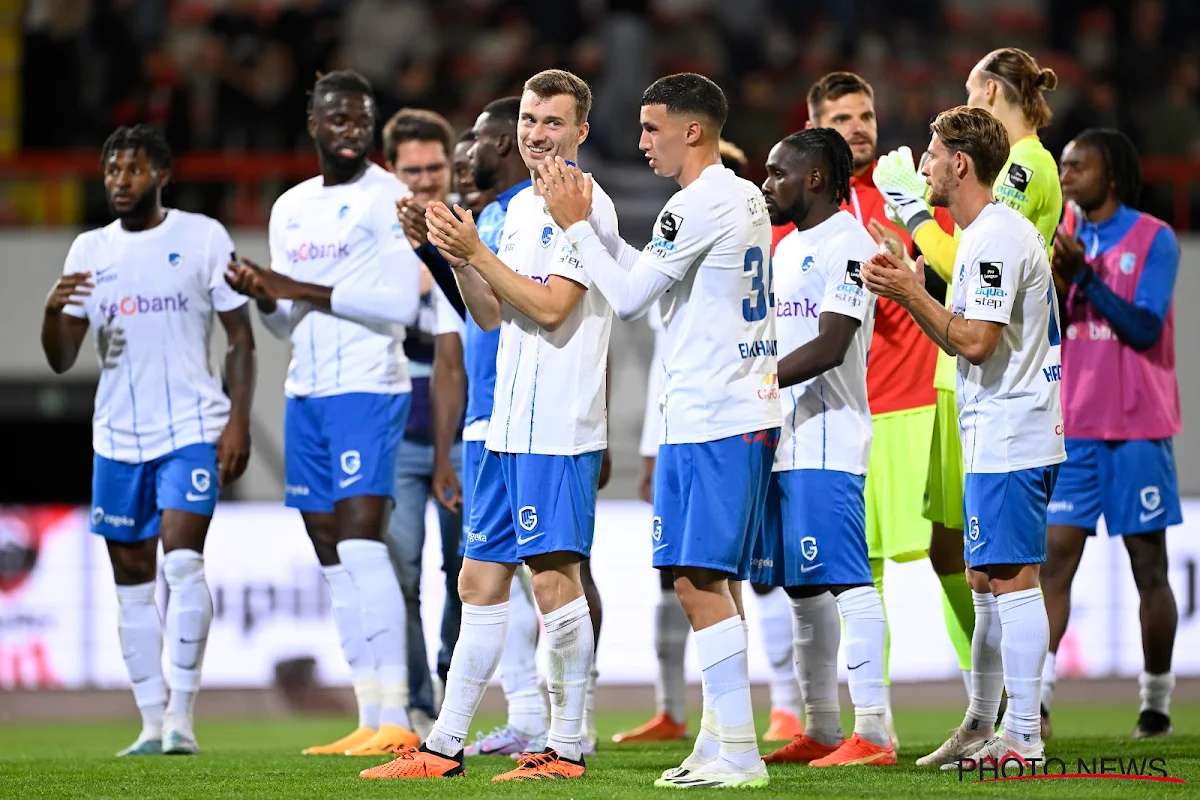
column 411, row 762
column 801, row 750
column 385, row 742
column 661, row 728
column 784, row 727
column 546, row 765
column 857, row 751
column 339, row 748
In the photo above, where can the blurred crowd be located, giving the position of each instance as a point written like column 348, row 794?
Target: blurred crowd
column 233, row 74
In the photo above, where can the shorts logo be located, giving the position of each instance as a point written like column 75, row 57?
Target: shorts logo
column 1059, row 506
column 990, row 272
column 114, row 520
column 201, row 480
column 351, row 462
column 808, row 548
column 973, row 528
column 547, row 235
column 472, row 536
column 527, row 517
column 1151, row 498
column 175, row 260
column 97, row 515
column 1127, row 263
column 656, row 529
column 669, row 225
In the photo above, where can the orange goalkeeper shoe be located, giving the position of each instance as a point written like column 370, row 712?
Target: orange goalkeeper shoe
column 411, row 762
column 349, row 741
column 784, row 727
column 546, row 765
column 857, row 751
column 801, row 750
column 661, row 728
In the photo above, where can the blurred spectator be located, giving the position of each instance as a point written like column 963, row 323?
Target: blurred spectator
column 1094, row 107
column 51, row 72
column 1173, row 122
column 395, row 45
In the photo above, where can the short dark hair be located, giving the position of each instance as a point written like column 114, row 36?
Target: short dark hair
column 831, row 149
column 1122, row 165
column 342, row 80
column 465, row 137
column 689, row 93
column 416, row 125
column 979, row 135
column 506, row 109
column 553, row 82
column 833, row 86
column 139, row 137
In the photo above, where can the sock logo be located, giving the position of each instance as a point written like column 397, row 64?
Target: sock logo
column 856, row 666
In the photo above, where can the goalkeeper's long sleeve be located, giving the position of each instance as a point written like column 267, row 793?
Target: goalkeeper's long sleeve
column 938, row 247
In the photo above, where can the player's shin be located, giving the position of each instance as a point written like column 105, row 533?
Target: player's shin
column 671, row 630
column 527, row 710
column 1024, row 642
column 817, row 635
column 722, row 649
column 347, row 618
column 189, row 615
column 775, row 619
column 383, row 620
column 571, row 653
column 476, row 657
column 1049, row 679
column 862, row 610
column 987, row 668
column 140, row 632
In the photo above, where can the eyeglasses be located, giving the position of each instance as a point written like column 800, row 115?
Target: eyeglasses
column 429, row 169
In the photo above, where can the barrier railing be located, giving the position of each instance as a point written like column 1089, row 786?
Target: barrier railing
column 248, row 172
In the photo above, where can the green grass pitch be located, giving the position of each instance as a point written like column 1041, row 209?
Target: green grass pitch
column 255, row 758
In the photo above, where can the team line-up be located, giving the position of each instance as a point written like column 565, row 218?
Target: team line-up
column 988, row 431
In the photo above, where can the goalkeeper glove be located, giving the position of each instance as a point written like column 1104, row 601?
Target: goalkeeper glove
column 903, row 189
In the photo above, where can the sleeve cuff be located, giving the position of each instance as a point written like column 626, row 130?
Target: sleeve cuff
column 919, row 219
column 579, row 231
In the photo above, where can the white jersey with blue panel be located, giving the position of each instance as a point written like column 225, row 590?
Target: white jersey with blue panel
column 152, row 314
column 826, row 420
column 720, row 355
column 343, row 235
column 1010, row 413
column 550, row 385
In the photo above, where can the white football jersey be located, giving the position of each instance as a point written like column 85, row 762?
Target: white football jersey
column 347, row 233
column 652, row 416
column 1009, row 411
column 152, row 314
column 714, row 239
column 550, row 384
column 826, row 420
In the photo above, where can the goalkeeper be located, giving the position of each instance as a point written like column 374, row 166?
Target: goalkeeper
column 1009, row 84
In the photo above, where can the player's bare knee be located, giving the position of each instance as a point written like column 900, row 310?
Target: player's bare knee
column 322, row 532
column 1007, row 578
column 556, row 580
column 666, row 580
column 1148, row 560
column 182, row 530
column 979, row 581
column 133, row 563
column 482, row 583
column 362, row 517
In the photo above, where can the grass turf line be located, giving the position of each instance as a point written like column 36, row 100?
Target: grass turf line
column 256, row 758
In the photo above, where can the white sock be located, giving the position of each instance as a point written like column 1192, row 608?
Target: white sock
column 818, row 632
column 966, row 676
column 572, row 647
column 726, row 673
column 671, row 628
column 589, row 702
column 708, row 741
column 1023, row 644
column 775, row 617
column 189, row 615
column 347, row 618
column 140, row 631
column 862, row 610
column 527, row 711
column 475, row 659
column 1155, row 691
column 1049, row 678
column 987, row 667
column 382, row 606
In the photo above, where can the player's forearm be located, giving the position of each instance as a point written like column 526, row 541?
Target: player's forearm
column 934, row 319
column 443, row 274
column 482, row 303
column 447, row 396
column 532, row 298
column 1137, row 327
column 58, row 342
column 622, row 281
column 279, row 317
column 939, row 248
column 810, row 360
column 240, row 372
column 381, row 304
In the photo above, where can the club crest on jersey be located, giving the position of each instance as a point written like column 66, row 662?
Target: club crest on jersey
column 990, row 273
column 656, row 529
column 1151, row 498
column 527, row 516
column 201, row 480
column 547, row 235
column 1018, row 177
column 669, row 225
column 174, row 260
column 808, row 548
column 1127, row 263
column 351, row 462
column 343, row 211
column 807, row 265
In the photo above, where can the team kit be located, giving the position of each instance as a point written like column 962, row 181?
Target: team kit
column 859, row 361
